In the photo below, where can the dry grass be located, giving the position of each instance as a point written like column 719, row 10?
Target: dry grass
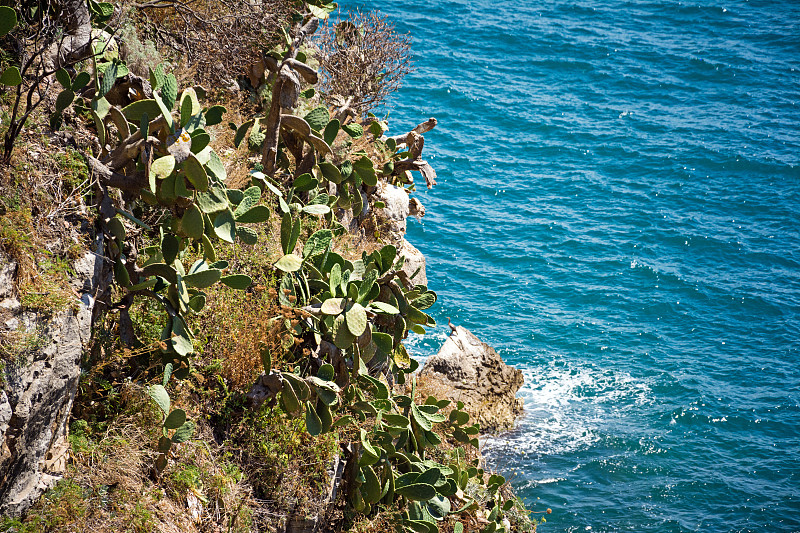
column 214, row 41
column 108, row 487
column 42, row 211
column 239, row 326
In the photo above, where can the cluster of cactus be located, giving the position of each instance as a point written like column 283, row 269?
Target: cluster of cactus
column 185, row 175
column 182, row 174
column 356, row 313
column 362, row 305
column 321, row 170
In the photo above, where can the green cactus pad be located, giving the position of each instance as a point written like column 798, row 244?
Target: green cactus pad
column 200, row 140
column 333, row 306
column 342, row 337
column 201, row 280
column 416, row 491
column 289, row 399
column 317, row 243
column 180, row 340
column 420, row 419
column 181, row 190
column 289, row 263
column 259, row 213
column 192, row 223
column 160, row 269
column 183, row 433
column 313, row 422
column 331, row 130
column 356, row 319
column 215, row 166
column 237, row 281
column 175, row 419
column 325, row 415
column 62, row 76
column 318, row 118
column 189, row 105
column 64, row 99
column 439, row 507
column 316, row 209
column 384, row 341
column 225, row 226
column 81, row 81
column 195, row 173
column 209, row 253
column 159, row 395
column 366, row 171
column 133, row 112
column 197, row 303
column 212, row 201
column 371, row 489
column 11, row 77
column 383, row 308
column 353, row 130
column 331, row 172
column 169, row 92
column 369, row 455
column 424, row 301
column 305, row 182
column 248, row 236
column 214, row 115
column 8, row 20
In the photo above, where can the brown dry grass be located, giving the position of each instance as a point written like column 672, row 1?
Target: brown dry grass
column 42, row 214
column 239, row 326
column 212, row 39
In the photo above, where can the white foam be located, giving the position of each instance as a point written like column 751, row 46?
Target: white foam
column 569, row 406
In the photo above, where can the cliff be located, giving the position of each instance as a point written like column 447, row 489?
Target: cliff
column 205, row 296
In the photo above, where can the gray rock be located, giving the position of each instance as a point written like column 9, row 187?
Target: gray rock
column 471, row 371
column 414, row 264
column 37, row 395
column 395, row 210
column 8, row 269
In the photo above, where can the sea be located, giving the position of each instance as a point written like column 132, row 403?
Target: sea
column 618, row 214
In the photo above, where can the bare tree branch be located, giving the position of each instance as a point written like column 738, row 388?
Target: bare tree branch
column 362, row 61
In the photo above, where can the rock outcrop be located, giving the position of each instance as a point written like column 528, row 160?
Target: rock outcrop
column 471, row 371
column 39, row 386
column 397, row 208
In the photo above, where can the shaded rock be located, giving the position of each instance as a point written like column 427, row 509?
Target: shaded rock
column 40, row 386
column 468, row 370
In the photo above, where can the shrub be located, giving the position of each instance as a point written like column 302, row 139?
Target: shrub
column 362, row 61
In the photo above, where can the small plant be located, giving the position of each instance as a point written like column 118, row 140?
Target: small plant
column 174, row 426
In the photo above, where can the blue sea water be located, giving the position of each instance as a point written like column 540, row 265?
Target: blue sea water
column 618, row 214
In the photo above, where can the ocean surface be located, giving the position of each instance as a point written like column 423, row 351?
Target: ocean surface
column 618, row 214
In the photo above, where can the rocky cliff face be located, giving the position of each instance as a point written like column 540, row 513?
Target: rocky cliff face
column 469, row 370
column 398, row 207
column 40, row 385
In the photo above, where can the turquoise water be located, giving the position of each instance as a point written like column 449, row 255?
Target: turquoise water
column 617, row 213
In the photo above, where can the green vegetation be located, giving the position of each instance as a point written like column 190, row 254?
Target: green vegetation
column 225, row 277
